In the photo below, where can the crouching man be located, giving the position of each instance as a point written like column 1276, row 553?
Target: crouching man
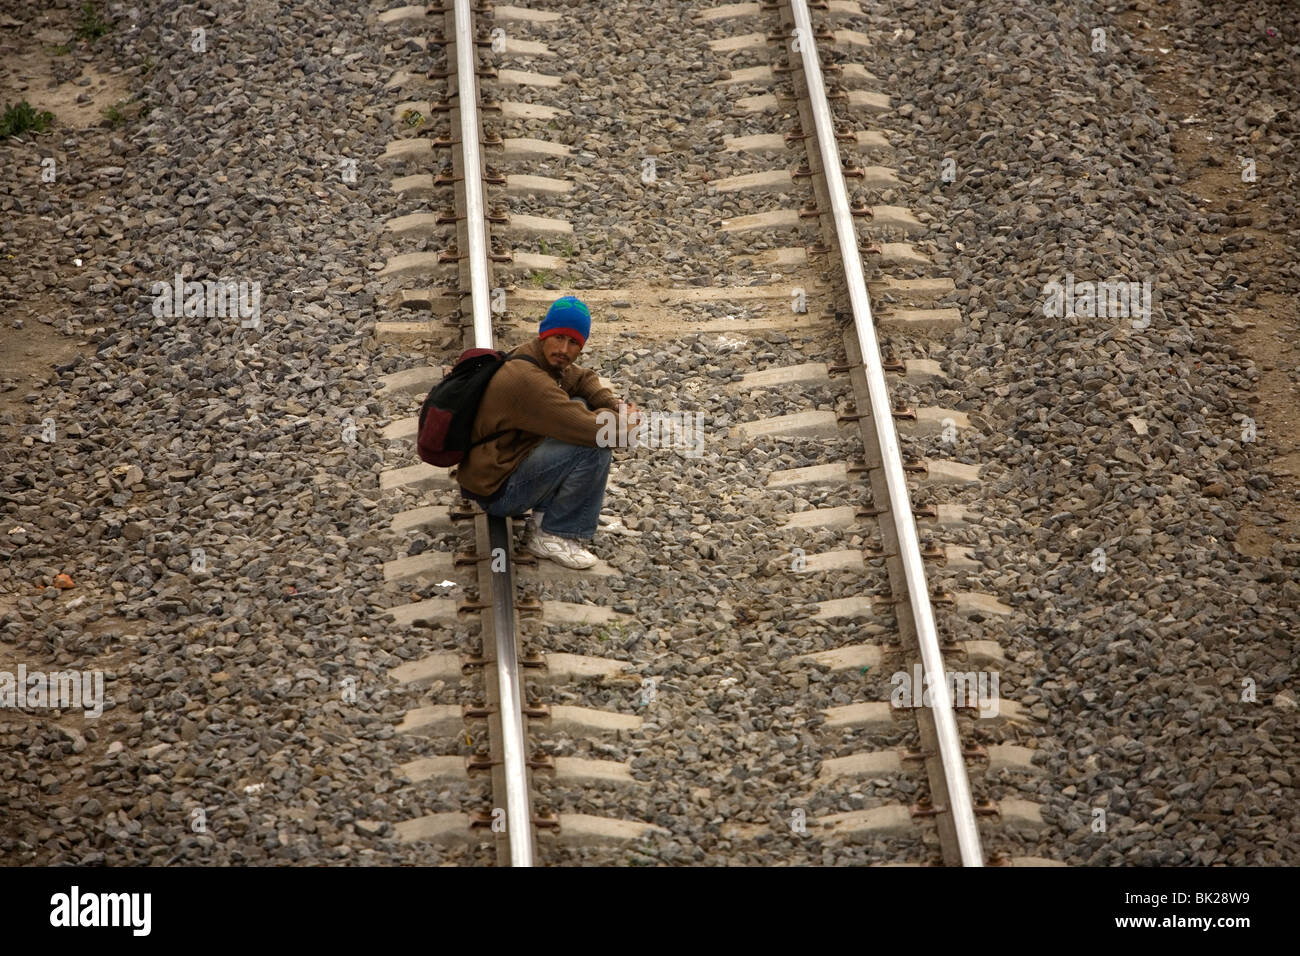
column 547, row 459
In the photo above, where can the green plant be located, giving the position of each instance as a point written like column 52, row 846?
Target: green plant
column 614, row 630
column 545, row 249
column 114, row 115
column 21, row 118
column 539, row 278
column 91, row 25
column 63, row 49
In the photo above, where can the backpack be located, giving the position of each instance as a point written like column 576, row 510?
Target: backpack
column 447, row 416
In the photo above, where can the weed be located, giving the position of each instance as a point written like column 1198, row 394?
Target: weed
column 114, row 115
column 21, row 118
column 92, row 26
column 614, row 631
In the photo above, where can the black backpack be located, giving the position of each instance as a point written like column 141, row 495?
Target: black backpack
column 447, row 416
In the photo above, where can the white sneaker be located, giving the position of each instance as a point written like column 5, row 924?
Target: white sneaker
column 563, row 551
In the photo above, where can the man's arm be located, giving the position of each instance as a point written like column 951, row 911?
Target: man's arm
column 588, row 387
column 544, row 408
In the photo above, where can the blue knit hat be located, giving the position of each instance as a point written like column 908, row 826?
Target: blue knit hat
column 567, row 316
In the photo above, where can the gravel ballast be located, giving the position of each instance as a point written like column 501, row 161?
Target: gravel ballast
column 214, row 493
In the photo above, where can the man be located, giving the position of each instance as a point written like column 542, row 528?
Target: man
column 548, row 458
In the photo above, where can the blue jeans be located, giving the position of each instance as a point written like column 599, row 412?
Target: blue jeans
column 566, row 481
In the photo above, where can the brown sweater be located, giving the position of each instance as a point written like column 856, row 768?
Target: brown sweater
column 536, row 401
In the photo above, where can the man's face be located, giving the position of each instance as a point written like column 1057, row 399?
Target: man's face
column 560, row 351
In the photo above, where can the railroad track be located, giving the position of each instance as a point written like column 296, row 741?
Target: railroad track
column 506, row 683
column 499, row 699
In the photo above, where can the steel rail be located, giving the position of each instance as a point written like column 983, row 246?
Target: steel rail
column 476, row 226
column 513, row 749
column 514, row 755
column 959, row 799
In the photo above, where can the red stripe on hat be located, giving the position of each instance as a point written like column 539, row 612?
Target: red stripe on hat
column 572, row 333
